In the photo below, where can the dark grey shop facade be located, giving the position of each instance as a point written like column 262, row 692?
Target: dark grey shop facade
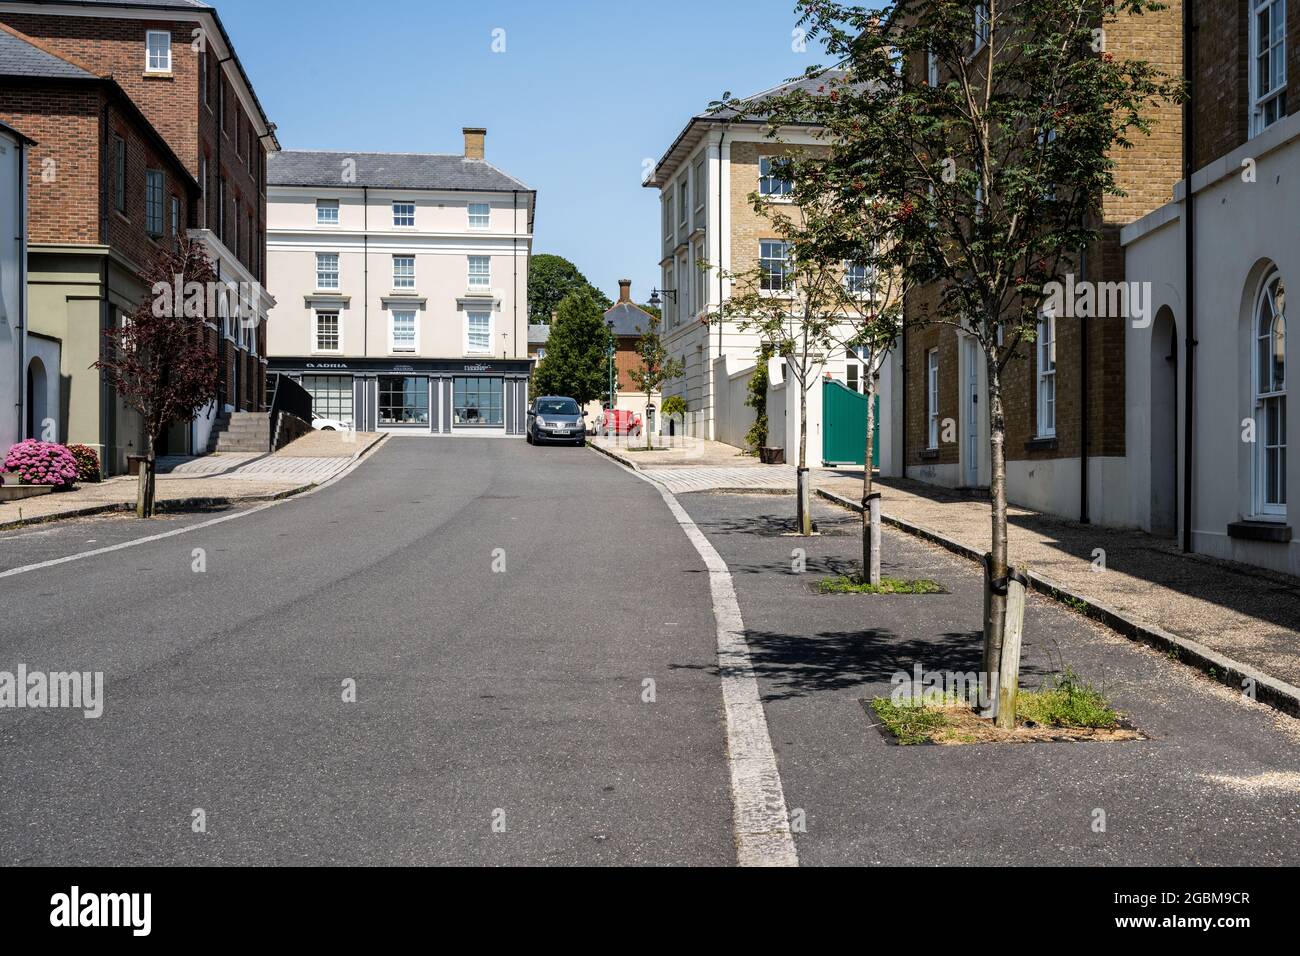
column 418, row 396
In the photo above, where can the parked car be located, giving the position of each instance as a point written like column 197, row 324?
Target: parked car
column 330, row 424
column 618, row 421
column 555, row 418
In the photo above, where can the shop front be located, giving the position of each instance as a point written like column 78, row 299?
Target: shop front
column 430, row 396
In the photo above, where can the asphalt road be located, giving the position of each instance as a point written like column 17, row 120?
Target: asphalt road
column 499, row 714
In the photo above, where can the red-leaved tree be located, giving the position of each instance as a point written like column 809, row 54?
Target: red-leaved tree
column 159, row 360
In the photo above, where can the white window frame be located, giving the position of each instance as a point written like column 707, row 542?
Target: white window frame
column 1262, row 395
column 315, row 331
column 683, row 204
column 932, row 399
column 491, row 323
column 1045, row 346
column 479, row 280
column 785, row 285
column 771, row 185
column 401, row 281
column 415, row 331
column 670, row 196
column 1276, row 53
column 700, row 174
column 932, row 69
column 983, row 28
column 862, row 287
column 396, row 216
column 327, row 204
column 166, row 59
column 321, row 272
column 479, row 220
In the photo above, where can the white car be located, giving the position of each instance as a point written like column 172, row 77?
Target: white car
column 330, row 424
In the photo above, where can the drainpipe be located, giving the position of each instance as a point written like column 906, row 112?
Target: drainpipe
column 1189, row 265
column 1083, row 400
column 722, row 138
column 514, row 259
column 23, row 152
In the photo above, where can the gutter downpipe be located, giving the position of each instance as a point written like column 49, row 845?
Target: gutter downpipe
column 1189, row 266
column 722, row 138
column 1083, row 399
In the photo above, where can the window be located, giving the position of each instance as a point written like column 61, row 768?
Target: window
column 668, row 217
column 683, row 204
column 221, row 209
column 859, row 278
column 982, row 25
column 478, row 333
column 1268, row 73
column 857, row 361
column 403, row 214
column 932, row 68
column 403, row 400
column 328, row 335
column 176, row 217
column 480, row 272
column 773, row 179
column 331, row 396
column 153, row 202
column 478, row 401
column 327, row 212
column 203, row 188
column 932, row 398
column 1046, row 375
column 119, row 174
column 701, row 185
column 774, row 261
column 480, row 215
column 158, row 52
column 1270, row 398
column 327, row 270
column 403, row 338
column 403, row 272
column 203, row 78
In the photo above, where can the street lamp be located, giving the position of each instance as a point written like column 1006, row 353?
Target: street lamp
column 610, row 325
column 656, row 302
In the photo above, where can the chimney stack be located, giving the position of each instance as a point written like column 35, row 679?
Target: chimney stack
column 624, row 290
column 474, row 136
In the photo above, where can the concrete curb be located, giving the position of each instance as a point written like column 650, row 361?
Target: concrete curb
column 180, row 504
column 1269, row 690
column 627, row 462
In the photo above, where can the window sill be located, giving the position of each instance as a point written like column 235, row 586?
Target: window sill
column 1048, row 443
column 158, row 75
column 1255, row 530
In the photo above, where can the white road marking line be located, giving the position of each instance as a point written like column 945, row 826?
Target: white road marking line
column 81, row 556
column 759, row 816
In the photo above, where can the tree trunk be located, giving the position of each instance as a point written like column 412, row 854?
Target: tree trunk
column 870, row 501
column 995, row 620
column 803, row 512
column 145, row 491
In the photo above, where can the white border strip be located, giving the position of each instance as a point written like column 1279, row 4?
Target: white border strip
column 759, row 816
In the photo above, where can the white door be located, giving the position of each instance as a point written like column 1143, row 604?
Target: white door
column 972, row 431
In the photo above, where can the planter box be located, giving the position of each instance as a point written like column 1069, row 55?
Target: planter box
column 19, row 492
column 772, row 456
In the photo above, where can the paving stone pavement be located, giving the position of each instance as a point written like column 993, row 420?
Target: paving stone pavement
column 252, row 467
column 682, row 480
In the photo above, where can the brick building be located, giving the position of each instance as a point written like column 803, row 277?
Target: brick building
column 1065, row 401
column 135, row 89
column 1209, row 437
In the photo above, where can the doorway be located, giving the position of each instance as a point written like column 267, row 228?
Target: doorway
column 37, row 392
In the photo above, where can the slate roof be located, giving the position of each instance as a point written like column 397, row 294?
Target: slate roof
column 295, row 167
column 629, row 320
column 538, row 334
column 20, row 58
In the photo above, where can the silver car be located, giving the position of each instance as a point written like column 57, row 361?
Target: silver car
column 556, row 418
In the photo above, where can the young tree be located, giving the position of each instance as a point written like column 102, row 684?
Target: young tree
column 159, row 360
column 675, row 407
column 989, row 130
column 550, row 279
column 577, row 353
column 657, row 367
column 793, row 304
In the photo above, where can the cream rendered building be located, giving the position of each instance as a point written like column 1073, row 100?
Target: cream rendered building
column 402, row 287
column 704, row 181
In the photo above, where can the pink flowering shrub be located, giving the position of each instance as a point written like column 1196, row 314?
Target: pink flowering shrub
column 87, row 462
column 42, row 463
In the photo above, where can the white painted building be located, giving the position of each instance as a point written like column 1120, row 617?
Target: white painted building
column 13, row 288
column 401, row 282
column 704, row 181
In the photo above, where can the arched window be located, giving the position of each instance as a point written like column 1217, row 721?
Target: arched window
column 1270, row 397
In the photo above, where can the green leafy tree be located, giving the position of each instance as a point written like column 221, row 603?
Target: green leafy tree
column 994, row 173
column 577, row 353
column 550, row 279
column 756, row 399
column 657, row 367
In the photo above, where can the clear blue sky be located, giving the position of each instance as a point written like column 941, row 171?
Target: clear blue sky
column 584, row 92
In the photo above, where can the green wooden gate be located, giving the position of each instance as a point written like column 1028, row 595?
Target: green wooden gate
column 844, row 426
